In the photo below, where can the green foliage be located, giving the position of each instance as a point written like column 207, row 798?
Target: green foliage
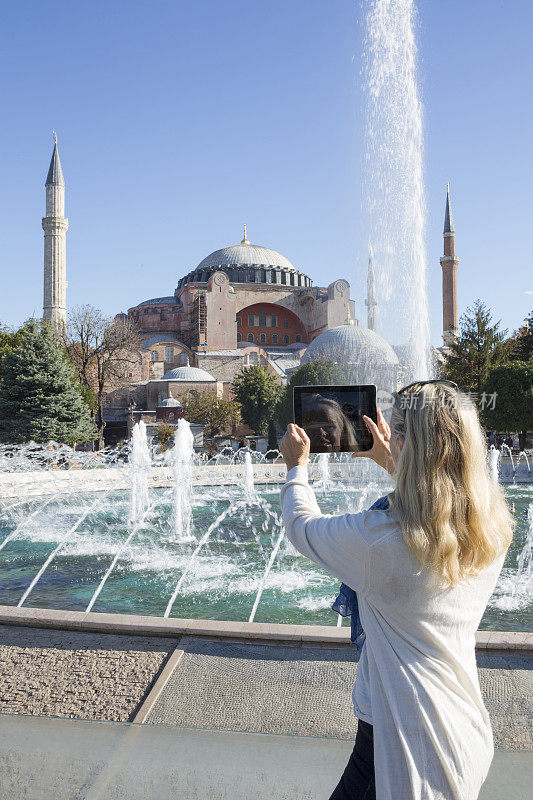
column 479, row 347
column 319, row 373
column 257, row 391
column 513, row 405
column 39, row 393
column 164, row 435
column 9, row 339
column 522, row 341
column 205, row 408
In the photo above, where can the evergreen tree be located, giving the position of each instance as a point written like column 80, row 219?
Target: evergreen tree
column 39, row 395
column 257, row 392
column 319, row 373
column 479, row 347
column 522, row 341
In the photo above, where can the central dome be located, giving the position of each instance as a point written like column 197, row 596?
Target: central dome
column 244, row 255
column 247, row 263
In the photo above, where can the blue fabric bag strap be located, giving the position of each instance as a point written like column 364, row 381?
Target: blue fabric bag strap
column 346, row 603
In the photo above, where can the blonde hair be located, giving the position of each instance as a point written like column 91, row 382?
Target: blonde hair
column 453, row 515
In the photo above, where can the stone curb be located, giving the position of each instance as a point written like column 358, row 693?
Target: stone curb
column 133, row 625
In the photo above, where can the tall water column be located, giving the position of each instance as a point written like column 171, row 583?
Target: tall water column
column 393, row 184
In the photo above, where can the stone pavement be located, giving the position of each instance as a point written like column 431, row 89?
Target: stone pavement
column 215, row 682
column 307, row 690
column 76, row 674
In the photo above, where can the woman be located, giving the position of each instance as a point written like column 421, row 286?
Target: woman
column 328, row 428
column 424, row 569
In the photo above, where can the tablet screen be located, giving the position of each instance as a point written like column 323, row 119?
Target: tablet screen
column 332, row 416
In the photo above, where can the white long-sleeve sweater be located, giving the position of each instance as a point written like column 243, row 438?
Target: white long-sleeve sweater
column 417, row 680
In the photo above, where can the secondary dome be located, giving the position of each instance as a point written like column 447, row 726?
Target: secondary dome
column 190, row 374
column 170, row 402
column 351, row 344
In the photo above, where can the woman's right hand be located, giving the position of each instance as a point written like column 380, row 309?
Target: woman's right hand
column 380, row 451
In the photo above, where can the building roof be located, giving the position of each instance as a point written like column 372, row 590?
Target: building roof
column 55, row 173
column 170, row 402
column 189, row 374
column 160, row 301
column 448, row 219
column 350, row 344
column 242, row 255
column 254, row 261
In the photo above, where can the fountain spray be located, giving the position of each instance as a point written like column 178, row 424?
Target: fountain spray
column 182, row 457
column 140, row 464
column 394, row 188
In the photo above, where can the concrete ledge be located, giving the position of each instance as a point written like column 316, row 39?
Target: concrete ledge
column 158, row 626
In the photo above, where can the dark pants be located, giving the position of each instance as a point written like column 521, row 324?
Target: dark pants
column 358, row 780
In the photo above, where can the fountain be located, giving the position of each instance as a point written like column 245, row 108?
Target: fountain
column 494, row 457
column 394, row 188
column 182, row 460
column 140, row 464
column 249, row 489
column 148, row 544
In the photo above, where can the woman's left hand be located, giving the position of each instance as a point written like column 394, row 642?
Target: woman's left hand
column 295, row 446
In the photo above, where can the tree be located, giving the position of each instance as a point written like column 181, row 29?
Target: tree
column 102, row 351
column 164, row 435
column 479, row 347
column 511, row 385
column 257, row 391
column 9, row 338
column 318, row 373
column 39, row 392
column 522, row 341
column 205, row 408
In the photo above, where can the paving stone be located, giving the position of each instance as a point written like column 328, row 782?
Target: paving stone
column 77, row 674
column 307, row 691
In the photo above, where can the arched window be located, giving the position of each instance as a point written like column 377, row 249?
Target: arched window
column 250, row 337
column 169, row 354
column 263, row 275
column 274, row 338
column 263, row 338
column 286, row 339
column 298, row 338
column 239, row 337
column 153, row 355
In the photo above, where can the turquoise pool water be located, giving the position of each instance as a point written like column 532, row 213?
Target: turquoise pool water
column 223, row 580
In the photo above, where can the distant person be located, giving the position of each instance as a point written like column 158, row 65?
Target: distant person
column 421, row 566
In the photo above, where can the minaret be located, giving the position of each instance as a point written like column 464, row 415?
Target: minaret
column 371, row 301
column 55, row 226
column 449, row 262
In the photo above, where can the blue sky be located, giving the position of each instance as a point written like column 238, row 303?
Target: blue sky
column 179, row 121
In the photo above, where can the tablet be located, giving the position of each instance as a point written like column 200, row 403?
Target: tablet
column 332, row 416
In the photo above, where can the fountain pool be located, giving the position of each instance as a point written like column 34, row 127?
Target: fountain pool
column 77, row 537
